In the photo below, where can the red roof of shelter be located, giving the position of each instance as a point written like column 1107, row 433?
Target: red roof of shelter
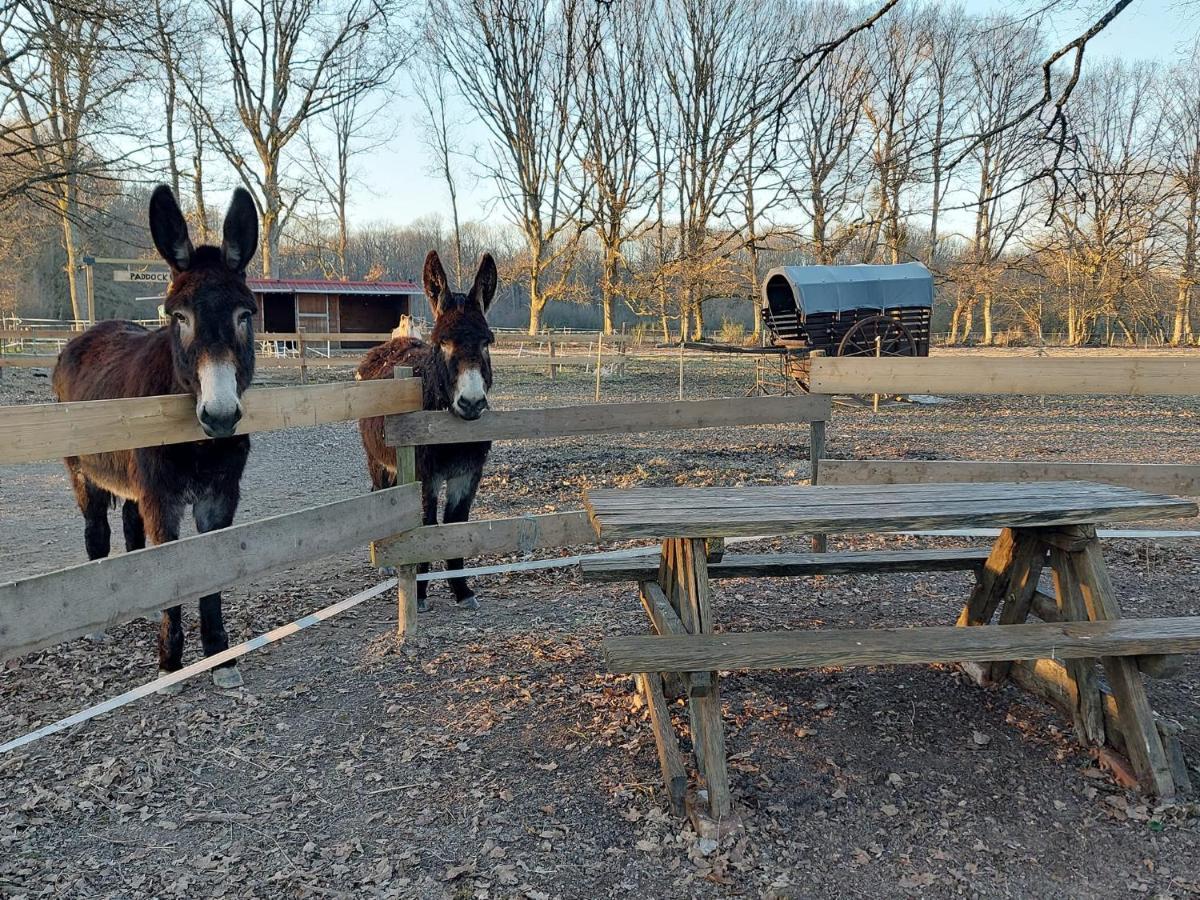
column 306, row 286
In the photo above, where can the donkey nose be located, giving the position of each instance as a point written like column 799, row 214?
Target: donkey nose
column 471, row 408
column 222, row 425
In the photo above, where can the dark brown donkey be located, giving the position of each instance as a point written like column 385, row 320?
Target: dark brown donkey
column 456, row 374
column 206, row 350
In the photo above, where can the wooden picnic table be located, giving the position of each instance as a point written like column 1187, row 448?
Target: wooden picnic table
column 1044, row 524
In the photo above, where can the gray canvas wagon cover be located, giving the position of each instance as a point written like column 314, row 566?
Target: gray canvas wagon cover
column 837, row 289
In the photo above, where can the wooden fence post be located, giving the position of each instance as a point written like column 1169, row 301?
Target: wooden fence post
column 303, row 360
column 599, row 360
column 550, row 346
column 406, row 576
column 816, row 449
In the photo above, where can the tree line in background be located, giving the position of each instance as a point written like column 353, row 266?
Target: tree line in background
column 651, row 157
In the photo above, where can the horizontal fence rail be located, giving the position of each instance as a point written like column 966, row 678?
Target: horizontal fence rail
column 485, row 537
column 1113, row 376
column 52, row 430
column 442, row 427
column 1160, row 478
column 45, row 609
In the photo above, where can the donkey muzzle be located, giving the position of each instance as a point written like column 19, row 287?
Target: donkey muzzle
column 218, row 406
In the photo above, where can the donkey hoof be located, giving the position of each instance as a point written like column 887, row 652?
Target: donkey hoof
column 387, row 571
column 227, row 677
column 423, row 604
column 170, row 690
column 471, row 602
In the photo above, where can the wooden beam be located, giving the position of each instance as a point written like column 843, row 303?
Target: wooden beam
column 377, row 337
column 52, row 430
column 1156, row 477
column 896, row 646
column 444, row 427
column 485, row 537
column 46, row 609
column 669, row 757
column 1144, row 744
column 14, row 361
column 787, row 565
column 1128, row 376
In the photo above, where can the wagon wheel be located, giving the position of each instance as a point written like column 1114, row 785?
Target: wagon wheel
column 877, row 336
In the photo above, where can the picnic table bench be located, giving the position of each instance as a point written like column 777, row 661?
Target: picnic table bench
column 1046, row 524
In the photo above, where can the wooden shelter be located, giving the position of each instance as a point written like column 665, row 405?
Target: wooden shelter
column 298, row 304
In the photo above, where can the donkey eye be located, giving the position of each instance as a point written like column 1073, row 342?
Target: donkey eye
column 179, row 317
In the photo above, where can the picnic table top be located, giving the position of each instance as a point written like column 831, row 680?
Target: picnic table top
column 675, row 512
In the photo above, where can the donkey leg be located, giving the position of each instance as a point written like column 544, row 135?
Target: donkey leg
column 212, row 511
column 134, row 527
column 161, row 523
column 460, row 494
column 94, row 502
column 429, row 499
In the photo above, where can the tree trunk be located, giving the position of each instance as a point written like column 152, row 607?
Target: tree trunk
column 536, row 301
column 608, row 282
column 65, row 208
column 198, row 179
column 1181, row 333
column 988, row 334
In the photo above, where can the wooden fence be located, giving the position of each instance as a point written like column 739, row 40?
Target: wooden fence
column 1137, row 376
column 42, row 610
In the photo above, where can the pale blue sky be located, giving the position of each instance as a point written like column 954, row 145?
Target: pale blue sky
column 398, row 187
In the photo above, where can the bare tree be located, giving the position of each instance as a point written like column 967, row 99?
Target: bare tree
column 1180, row 102
column 713, row 55
column 441, row 137
column 613, row 80
column 346, row 130
column 823, row 143
column 291, row 63
column 1003, row 77
column 66, row 86
column 514, row 61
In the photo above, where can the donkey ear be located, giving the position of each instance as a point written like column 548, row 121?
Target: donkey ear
column 437, row 289
column 240, row 231
column 169, row 229
column 484, row 288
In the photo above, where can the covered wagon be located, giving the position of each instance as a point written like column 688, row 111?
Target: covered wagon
column 850, row 310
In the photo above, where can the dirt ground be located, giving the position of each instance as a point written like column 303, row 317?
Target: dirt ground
column 492, row 758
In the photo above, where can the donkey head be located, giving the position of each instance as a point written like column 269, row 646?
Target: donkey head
column 461, row 336
column 211, row 308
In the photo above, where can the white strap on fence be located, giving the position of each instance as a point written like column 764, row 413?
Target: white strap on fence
column 210, row 662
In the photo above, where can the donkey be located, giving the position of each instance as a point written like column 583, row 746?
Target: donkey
column 206, row 350
column 456, row 374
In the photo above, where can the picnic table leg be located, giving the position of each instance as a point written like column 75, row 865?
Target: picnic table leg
column 1142, row 740
column 695, row 611
column 1087, row 712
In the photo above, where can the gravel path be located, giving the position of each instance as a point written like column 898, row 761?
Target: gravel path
column 490, row 758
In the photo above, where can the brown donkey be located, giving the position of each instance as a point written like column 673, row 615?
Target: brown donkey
column 456, row 374
column 206, row 350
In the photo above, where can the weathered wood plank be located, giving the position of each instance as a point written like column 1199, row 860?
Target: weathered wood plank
column 1087, row 713
column 52, row 430
column 443, row 427
column 708, row 731
column 20, row 361
column 407, row 595
column 783, row 565
column 1131, row 376
column 1142, row 740
column 1029, row 558
column 45, row 609
column 1183, row 480
column 484, row 537
column 814, row 516
column 895, row 646
column 670, row 759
